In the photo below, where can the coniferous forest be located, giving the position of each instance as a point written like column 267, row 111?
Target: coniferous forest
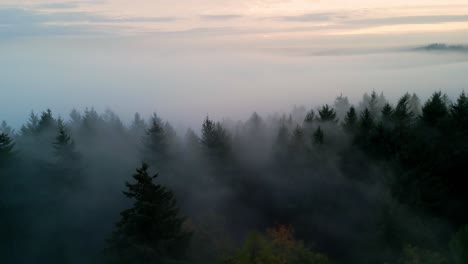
column 377, row 182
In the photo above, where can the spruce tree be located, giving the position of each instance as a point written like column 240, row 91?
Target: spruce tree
column 152, row 230
column 215, row 139
column 366, row 121
column 387, row 112
column 46, row 121
column 327, row 114
column 32, row 126
column 402, row 114
column 156, row 143
column 350, row 120
column 6, row 149
column 310, row 117
column 435, row 111
column 67, row 164
column 318, row 136
column 459, row 112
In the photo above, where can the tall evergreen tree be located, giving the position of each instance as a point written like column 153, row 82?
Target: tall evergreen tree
column 5, row 128
column 435, row 111
column 350, row 120
column 6, row 149
column 310, row 117
column 155, row 143
column 32, row 126
column 402, row 114
column 387, row 113
column 318, row 136
column 366, row 122
column 152, row 230
column 327, row 114
column 215, row 139
column 459, row 112
column 67, row 164
column 47, row 121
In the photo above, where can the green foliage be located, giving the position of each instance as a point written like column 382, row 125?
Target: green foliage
column 459, row 246
column 152, row 230
column 277, row 247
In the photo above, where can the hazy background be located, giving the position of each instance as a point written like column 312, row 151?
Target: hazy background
column 188, row 59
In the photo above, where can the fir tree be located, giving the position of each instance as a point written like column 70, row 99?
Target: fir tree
column 215, row 139
column 350, row 120
column 387, row 113
column 46, row 121
column 327, row 114
column 32, row 126
column 156, row 143
column 459, row 112
column 152, row 230
column 366, row 122
column 310, row 117
column 6, row 149
column 5, row 128
column 402, row 114
column 435, row 111
column 318, row 136
column 68, row 160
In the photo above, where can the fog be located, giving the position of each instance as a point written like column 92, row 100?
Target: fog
column 185, row 82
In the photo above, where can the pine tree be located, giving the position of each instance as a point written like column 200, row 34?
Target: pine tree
column 310, row 117
column 138, row 126
column 67, row 164
column 459, row 112
column 318, row 136
column 5, row 128
column 32, row 126
column 215, row 139
column 6, row 149
column 152, row 230
column 435, row 111
column 156, row 143
column 366, row 122
column 350, row 120
column 341, row 105
column 402, row 114
column 327, row 114
column 46, row 121
column 387, row 113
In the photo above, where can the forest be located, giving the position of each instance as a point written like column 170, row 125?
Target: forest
column 376, row 182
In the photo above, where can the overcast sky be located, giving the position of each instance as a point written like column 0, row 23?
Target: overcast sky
column 189, row 58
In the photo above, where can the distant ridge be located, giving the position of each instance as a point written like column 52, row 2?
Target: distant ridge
column 443, row 47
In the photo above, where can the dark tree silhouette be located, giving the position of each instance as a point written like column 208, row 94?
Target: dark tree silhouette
column 318, row 136
column 152, row 230
column 350, row 120
column 327, row 114
column 435, row 112
column 6, row 149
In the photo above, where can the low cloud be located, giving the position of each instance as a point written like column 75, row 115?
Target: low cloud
column 312, row 17
column 440, row 47
column 220, row 17
column 410, row 20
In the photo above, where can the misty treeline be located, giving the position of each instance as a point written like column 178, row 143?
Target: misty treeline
column 372, row 183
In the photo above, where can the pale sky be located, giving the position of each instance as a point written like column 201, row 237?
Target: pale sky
column 189, row 58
